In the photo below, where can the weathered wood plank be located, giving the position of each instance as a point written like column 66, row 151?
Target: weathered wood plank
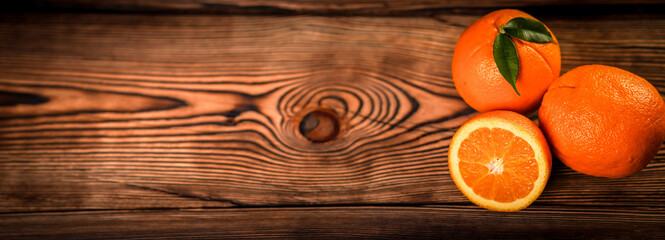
column 208, row 107
column 105, row 111
column 373, row 7
column 335, row 222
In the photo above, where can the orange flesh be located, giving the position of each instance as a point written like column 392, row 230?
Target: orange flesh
column 497, row 164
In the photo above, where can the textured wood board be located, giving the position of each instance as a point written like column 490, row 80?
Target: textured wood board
column 134, row 112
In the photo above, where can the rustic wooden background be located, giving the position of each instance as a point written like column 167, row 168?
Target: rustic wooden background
column 180, row 118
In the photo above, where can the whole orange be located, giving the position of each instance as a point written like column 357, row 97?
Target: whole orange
column 603, row 121
column 478, row 80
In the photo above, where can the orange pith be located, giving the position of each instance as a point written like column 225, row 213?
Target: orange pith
column 497, row 165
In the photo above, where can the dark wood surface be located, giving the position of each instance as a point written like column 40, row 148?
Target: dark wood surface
column 137, row 124
column 343, row 7
column 435, row 222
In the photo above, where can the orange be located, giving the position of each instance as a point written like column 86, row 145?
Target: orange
column 500, row 160
column 478, row 80
column 603, row 121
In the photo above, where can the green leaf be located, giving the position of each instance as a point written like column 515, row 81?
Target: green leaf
column 528, row 29
column 505, row 56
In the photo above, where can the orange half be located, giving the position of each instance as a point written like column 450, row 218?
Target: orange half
column 500, row 160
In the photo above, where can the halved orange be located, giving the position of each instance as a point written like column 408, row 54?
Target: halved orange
column 500, row 160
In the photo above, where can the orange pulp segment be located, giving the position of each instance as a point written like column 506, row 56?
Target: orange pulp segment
column 497, row 165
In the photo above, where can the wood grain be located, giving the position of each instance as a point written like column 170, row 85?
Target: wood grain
column 335, row 223
column 209, row 107
column 117, row 111
column 346, row 7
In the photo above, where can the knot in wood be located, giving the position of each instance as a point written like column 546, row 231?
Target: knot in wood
column 320, row 126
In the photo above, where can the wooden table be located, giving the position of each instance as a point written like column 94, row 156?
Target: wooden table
column 154, row 118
